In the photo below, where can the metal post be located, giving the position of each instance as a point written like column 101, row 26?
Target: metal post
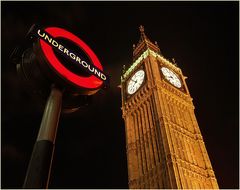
column 39, row 167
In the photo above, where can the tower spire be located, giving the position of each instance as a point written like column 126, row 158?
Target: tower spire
column 143, row 44
column 143, row 36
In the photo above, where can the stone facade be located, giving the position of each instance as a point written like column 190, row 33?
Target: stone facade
column 165, row 148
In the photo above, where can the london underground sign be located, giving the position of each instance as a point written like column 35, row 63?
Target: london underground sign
column 50, row 42
column 55, row 57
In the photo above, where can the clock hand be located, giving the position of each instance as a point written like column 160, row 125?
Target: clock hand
column 134, row 80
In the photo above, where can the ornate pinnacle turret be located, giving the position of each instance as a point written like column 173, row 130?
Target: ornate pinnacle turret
column 144, row 44
column 124, row 69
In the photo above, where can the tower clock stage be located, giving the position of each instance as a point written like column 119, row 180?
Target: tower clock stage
column 165, row 148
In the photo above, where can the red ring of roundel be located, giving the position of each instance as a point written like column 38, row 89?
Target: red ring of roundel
column 90, row 82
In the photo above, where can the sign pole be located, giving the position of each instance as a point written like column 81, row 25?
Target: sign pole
column 39, row 167
column 44, row 48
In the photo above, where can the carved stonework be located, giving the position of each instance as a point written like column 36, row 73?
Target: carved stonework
column 165, row 148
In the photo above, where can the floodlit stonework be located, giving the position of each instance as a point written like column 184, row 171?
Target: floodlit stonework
column 165, row 148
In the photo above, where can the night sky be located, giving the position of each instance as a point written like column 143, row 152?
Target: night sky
column 203, row 37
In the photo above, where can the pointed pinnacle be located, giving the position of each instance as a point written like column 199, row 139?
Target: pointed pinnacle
column 141, row 28
column 143, row 36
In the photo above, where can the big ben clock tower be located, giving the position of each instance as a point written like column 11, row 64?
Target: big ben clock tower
column 165, row 148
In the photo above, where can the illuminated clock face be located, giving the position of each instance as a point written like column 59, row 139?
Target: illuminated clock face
column 171, row 77
column 135, row 82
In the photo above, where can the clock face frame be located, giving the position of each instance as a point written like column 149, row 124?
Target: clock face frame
column 171, row 77
column 135, row 81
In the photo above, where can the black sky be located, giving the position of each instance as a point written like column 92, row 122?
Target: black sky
column 203, row 37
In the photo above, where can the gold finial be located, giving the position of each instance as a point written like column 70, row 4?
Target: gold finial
column 134, row 46
column 124, row 69
column 174, row 61
column 141, row 28
column 156, row 44
column 143, row 36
